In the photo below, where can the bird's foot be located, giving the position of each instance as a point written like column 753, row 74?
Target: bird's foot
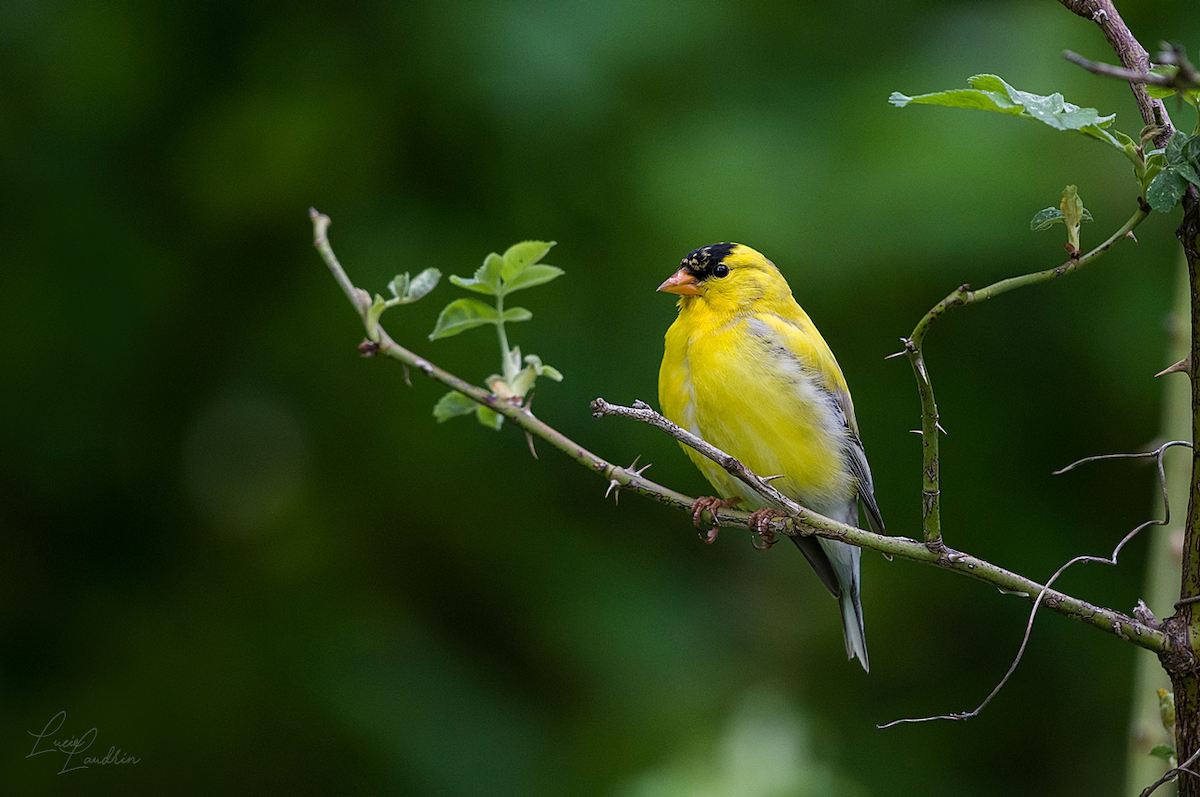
column 710, row 504
column 760, row 524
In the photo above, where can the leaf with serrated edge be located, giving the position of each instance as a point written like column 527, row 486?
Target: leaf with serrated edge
column 1045, row 218
column 489, row 417
column 462, row 314
column 1165, row 190
column 538, row 274
column 489, row 273
column 1188, row 172
column 452, row 405
column 1174, row 151
column 472, row 284
column 421, row 284
column 991, row 93
column 521, row 255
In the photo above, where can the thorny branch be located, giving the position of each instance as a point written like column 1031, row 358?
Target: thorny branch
column 804, row 521
column 1111, row 560
column 963, row 295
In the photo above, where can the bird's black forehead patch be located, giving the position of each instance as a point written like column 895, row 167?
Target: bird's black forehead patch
column 700, row 262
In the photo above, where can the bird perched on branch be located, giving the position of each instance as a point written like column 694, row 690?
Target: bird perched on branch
column 745, row 369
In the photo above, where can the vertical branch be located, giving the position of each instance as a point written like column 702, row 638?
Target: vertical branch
column 931, row 518
column 931, row 515
column 1185, row 625
column 1161, row 588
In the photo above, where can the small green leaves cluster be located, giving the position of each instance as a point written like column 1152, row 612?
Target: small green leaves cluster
column 404, row 290
column 499, row 276
column 1070, row 212
column 1176, row 165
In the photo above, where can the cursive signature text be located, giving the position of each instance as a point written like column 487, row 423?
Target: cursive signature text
column 72, row 748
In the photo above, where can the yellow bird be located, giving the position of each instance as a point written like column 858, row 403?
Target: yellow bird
column 746, row 369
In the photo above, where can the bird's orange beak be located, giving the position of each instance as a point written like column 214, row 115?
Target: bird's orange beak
column 681, row 282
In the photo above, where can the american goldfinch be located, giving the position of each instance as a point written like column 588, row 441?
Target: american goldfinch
column 745, row 369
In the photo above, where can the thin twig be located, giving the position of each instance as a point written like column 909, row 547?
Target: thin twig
column 1120, row 72
column 1172, row 774
column 804, row 522
column 641, row 411
column 1131, row 54
column 1111, row 560
column 931, row 518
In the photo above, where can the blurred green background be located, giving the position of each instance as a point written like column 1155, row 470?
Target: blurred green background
column 250, row 558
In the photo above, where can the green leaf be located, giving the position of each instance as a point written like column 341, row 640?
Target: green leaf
column 461, row 315
column 510, row 362
column 516, row 314
column 524, row 380
column 489, row 273
column 472, row 284
column 373, row 312
column 1046, row 218
column 1165, row 190
column 533, row 275
column 1163, row 751
column 543, row 370
column 521, row 255
column 1191, row 96
column 399, row 285
column 991, row 93
column 421, row 284
column 1188, row 172
column 409, row 290
column 489, row 417
column 1175, row 146
column 1162, row 92
column 1072, row 211
column 452, row 405
column 1191, row 148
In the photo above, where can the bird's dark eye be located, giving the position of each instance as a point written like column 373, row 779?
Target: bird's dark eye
column 720, row 270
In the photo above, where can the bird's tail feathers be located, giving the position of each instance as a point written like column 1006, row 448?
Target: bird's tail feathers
column 845, row 561
column 852, row 628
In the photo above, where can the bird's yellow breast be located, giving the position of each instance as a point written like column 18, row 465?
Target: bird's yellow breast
column 760, row 387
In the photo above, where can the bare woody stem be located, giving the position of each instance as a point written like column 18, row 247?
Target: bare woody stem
column 1130, row 52
column 1183, row 629
column 800, row 520
column 913, row 347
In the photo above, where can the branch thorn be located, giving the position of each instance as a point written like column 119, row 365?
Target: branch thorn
column 1183, row 366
